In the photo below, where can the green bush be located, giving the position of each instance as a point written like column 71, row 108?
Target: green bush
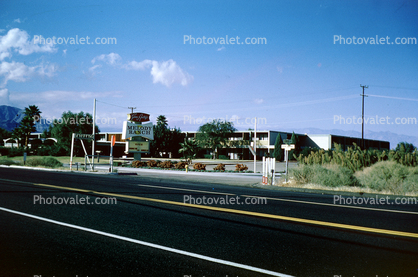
column 44, row 161
column 4, row 151
column 8, row 162
column 16, row 151
column 389, row 176
column 330, row 176
column 223, row 157
column 207, row 156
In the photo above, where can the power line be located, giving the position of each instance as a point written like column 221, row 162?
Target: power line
column 391, row 97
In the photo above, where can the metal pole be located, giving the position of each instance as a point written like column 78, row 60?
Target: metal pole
column 72, row 148
column 362, row 117
column 287, row 161
column 94, row 133
column 255, row 146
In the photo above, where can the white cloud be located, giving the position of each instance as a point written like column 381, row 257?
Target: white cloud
column 20, row 72
column 4, row 96
column 134, row 65
column 17, row 20
column 166, row 72
column 280, row 69
column 18, row 40
column 64, row 52
column 258, row 101
column 222, row 48
column 111, row 58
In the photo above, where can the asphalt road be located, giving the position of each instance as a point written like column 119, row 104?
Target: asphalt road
column 152, row 231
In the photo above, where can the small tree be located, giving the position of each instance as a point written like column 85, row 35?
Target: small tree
column 214, row 135
column 278, row 151
column 405, row 147
column 27, row 125
column 294, row 140
column 189, row 148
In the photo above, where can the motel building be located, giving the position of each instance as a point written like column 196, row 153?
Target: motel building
column 241, row 151
column 241, row 141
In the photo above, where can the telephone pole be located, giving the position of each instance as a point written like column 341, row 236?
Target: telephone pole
column 132, row 109
column 362, row 117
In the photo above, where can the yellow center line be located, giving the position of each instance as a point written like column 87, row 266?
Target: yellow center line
column 257, row 214
column 332, row 205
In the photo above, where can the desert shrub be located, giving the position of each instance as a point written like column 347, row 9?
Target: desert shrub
column 220, row 167
column 8, row 162
column 330, row 176
column 51, row 150
column 152, row 163
column 389, row 176
column 223, row 157
column 199, row 166
column 16, row 151
column 166, row 164
column 241, row 167
column 181, row 165
column 138, row 164
column 44, row 161
column 4, row 151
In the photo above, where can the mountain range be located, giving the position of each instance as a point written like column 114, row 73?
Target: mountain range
column 10, row 118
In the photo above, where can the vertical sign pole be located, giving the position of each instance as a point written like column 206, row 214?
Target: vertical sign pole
column 287, row 161
column 255, row 145
column 111, row 153
column 94, row 132
column 72, row 148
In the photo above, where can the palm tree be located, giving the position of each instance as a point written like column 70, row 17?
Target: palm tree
column 189, row 148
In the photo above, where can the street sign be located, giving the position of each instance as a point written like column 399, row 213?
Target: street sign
column 133, row 146
column 84, row 136
column 113, row 140
column 288, row 147
column 131, row 129
column 138, row 117
column 251, row 150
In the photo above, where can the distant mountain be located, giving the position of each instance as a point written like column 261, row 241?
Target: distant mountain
column 393, row 138
column 10, row 118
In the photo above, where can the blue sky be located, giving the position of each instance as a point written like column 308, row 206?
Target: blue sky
column 299, row 78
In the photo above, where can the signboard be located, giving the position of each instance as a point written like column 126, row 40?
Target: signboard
column 84, row 136
column 251, row 150
column 131, row 129
column 288, row 147
column 138, row 117
column 113, row 140
column 137, row 146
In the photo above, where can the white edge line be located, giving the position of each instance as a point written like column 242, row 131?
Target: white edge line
column 333, row 205
column 169, row 249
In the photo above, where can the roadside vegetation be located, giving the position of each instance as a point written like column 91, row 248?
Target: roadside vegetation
column 393, row 171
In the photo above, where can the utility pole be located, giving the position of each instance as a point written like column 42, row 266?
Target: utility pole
column 132, row 109
column 362, row 117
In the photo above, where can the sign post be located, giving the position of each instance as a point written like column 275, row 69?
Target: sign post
column 287, row 148
column 113, row 141
column 136, row 131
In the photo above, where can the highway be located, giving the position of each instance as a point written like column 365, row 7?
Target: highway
column 82, row 224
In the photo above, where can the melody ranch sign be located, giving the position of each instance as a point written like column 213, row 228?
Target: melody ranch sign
column 131, row 129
